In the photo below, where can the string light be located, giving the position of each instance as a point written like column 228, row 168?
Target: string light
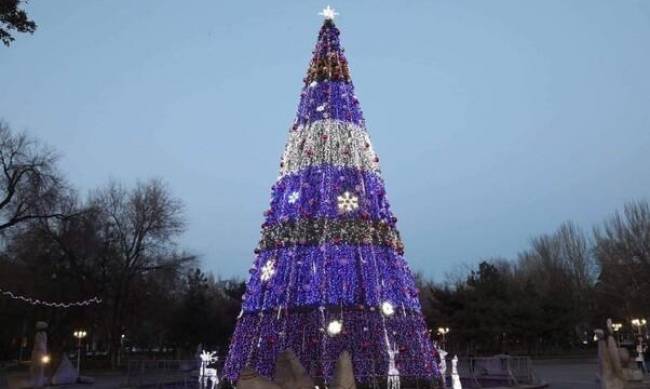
column 387, row 308
column 334, row 327
column 32, row 301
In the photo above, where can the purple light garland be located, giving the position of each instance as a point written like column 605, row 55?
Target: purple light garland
column 318, row 188
column 329, row 100
column 313, row 276
column 260, row 338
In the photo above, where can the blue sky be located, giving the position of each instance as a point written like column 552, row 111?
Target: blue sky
column 495, row 120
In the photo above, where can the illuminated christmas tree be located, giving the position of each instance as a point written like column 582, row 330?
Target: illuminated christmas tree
column 330, row 274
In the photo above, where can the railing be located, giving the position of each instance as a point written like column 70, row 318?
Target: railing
column 475, row 373
column 504, row 370
column 184, row 374
column 162, row 373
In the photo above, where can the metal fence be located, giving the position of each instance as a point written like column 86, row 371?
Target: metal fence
column 499, row 370
column 184, row 374
column 474, row 372
column 165, row 373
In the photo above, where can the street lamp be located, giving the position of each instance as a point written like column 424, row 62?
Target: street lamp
column 443, row 331
column 119, row 352
column 638, row 323
column 79, row 334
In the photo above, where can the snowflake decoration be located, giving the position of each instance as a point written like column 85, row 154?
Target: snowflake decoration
column 293, row 197
column 268, row 270
column 347, row 202
column 209, row 356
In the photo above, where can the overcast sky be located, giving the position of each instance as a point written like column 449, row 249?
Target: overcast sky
column 495, row 120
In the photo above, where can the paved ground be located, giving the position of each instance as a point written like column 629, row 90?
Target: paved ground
column 568, row 374
column 572, row 374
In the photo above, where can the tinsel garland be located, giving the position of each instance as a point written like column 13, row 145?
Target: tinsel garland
column 337, row 231
column 328, row 142
column 328, row 62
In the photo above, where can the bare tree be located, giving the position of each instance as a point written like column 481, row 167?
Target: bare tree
column 563, row 257
column 30, row 185
column 559, row 268
column 623, row 253
column 139, row 231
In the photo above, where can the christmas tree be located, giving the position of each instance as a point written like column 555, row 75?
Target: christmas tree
column 329, row 273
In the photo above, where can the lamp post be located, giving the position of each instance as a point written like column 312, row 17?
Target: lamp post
column 638, row 323
column 616, row 327
column 443, row 331
column 79, row 334
column 119, row 352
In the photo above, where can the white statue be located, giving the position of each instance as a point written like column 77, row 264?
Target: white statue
column 393, row 373
column 610, row 369
column 442, row 366
column 455, row 378
column 641, row 349
column 39, row 356
column 208, row 378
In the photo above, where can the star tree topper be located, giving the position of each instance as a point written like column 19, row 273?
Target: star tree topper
column 328, row 13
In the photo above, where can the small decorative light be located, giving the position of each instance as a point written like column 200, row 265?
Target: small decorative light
column 293, row 197
column 328, row 13
column 45, row 359
column 334, row 327
column 320, row 108
column 268, row 270
column 387, row 308
column 347, row 202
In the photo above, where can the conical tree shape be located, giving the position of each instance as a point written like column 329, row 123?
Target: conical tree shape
column 330, row 253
